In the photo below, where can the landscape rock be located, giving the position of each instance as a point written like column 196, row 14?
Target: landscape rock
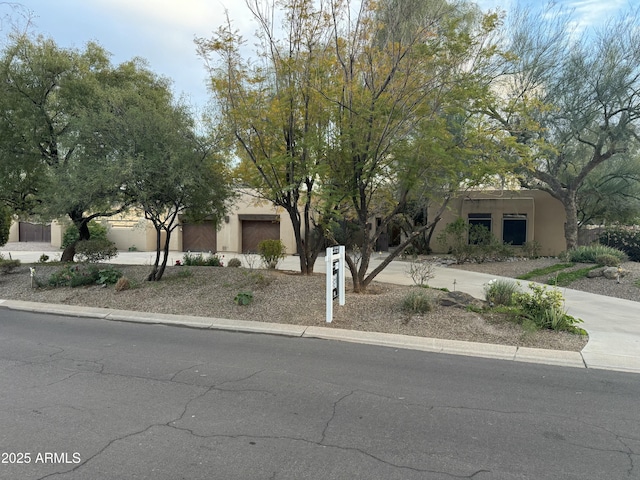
column 613, row 273
column 458, row 299
column 596, row 272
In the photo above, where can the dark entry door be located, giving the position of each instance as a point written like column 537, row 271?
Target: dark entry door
column 34, row 232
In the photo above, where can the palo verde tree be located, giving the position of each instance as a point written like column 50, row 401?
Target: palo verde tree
column 569, row 102
column 275, row 111
column 54, row 108
column 397, row 95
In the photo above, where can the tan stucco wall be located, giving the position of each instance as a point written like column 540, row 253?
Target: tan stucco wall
column 545, row 215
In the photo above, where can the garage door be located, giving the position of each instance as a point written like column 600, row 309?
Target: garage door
column 199, row 237
column 34, row 232
column 255, row 231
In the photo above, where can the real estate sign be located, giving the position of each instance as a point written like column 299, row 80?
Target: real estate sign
column 335, row 278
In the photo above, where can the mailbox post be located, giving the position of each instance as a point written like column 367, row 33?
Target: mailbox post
column 334, row 259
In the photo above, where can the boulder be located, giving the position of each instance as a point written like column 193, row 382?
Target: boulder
column 613, row 273
column 458, row 299
column 596, row 272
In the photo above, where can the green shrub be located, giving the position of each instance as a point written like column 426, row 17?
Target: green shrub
column 95, row 250
column 243, row 298
column 417, row 301
column 626, row 240
column 5, row 224
column 271, row 252
column 545, row 307
column 608, row 260
column 79, row 275
column 199, row 260
column 234, row 263
column 43, row 258
column 589, row 253
column 72, row 235
column 500, row 292
column 473, row 242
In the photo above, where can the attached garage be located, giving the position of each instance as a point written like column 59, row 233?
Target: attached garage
column 34, row 232
column 256, row 228
column 199, row 237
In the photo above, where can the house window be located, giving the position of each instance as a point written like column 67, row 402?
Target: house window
column 514, row 229
column 480, row 220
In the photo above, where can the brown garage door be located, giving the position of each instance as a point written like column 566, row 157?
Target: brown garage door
column 254, row 231
column 34, row 232
column 199, row 237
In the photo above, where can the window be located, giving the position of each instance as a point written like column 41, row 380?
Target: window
column 514, row 229
column 478, row 220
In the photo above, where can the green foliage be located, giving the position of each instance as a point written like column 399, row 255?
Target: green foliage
column 234, row 263
column 95, row 250
column 71, row 234
column 500, row 292
column 545, row 307
column 185, row 273
column 473, row 242
column 80, row 275
column 624, row 239
column 589, row 253
column 563, row 279
column 538, row 272
column 271, row 252
column 43, row 258
column 243, row 298
column 200, row 260
column 5, row 224
column 608, row 260
column 417, row 301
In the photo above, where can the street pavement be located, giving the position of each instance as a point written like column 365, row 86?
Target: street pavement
column 613, row 324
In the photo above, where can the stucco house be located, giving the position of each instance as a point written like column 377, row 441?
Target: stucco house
column 513, row 216
column 248, row 222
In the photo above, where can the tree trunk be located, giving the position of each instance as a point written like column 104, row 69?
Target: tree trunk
column 152, row 277
column 571, row 224
column 82, row 224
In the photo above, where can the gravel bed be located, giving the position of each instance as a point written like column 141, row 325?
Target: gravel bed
column 283, row 297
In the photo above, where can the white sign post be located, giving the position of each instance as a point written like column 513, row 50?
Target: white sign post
column 335, row 278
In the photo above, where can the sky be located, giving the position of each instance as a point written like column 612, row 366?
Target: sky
column 163, row 31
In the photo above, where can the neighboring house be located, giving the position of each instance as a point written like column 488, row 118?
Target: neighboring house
column 513, row 216
column 248, row 222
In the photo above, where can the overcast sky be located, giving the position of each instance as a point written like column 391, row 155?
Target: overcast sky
column 162, row 31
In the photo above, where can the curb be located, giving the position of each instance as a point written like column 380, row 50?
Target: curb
column 450, row 347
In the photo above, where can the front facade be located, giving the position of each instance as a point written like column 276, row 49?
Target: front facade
column 512, row 216
column 248, row 222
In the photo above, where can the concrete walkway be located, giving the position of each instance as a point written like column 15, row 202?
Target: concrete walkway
column 613, row 324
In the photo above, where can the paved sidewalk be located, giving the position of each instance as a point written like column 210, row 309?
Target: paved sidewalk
column 613, row 324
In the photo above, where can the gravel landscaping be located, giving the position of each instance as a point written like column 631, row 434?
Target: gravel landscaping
column 287, row 297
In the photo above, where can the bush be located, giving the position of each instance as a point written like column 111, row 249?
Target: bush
column 608, row 260
column 473, row 242
column 95, row 250
column 545, row 307
column 72, row 235
column 199, row 260
column 8, row 266
column 79, row 275
column 234, row 262
column 531, row 250
column 271, row 252
column 123, row 284
column 626, row 240
column 243, row 298
column 589, row 253
column 500, row 292
column 417, row 301
column 420, row 271
column 5, row 224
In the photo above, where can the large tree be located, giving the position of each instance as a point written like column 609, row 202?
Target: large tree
column 571, row 98
column 53, row 122
column 399, row 89
column 274, row 109
column 172, row 173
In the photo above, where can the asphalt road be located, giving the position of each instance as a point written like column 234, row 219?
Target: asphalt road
column 92, row 399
